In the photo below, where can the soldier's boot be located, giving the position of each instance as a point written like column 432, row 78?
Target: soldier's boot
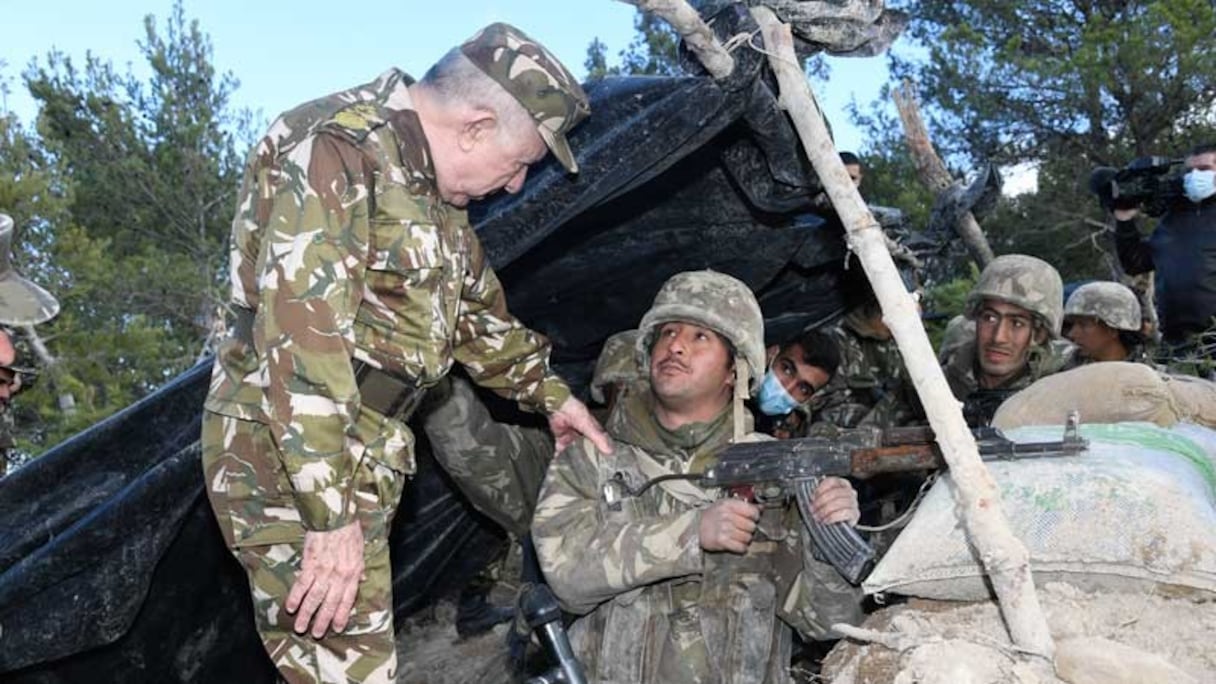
column 474, row 613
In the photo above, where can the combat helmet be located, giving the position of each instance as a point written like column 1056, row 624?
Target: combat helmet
column 1024, row 281
column 617, row 363
column 717, row 301
column 1109, row 302
column 21, row 301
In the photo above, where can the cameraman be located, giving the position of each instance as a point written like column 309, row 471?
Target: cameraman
column 1182, row 251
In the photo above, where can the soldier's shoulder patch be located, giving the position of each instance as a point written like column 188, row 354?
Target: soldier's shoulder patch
column 355, row 121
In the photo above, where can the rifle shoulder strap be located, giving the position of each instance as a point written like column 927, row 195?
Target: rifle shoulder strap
column 683, row 490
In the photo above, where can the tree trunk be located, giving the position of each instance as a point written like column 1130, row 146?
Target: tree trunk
column 1003, row 555
column 932, row 171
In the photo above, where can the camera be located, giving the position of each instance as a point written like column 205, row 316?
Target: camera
column 1150, row 183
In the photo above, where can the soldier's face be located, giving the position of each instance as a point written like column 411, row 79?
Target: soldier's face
column 1096, row 340
column 691, row 370
column 1004, row 334
column 798, row 377
column 487, row 160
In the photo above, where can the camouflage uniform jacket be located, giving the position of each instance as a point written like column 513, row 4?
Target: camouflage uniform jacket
column 654, row 607
column 344, row 249
column 870, row 386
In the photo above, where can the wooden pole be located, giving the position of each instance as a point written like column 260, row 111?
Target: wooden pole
column 696, row 33
column 932, row 171
column 1003, row 555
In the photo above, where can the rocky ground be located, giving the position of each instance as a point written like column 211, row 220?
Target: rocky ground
column 431, row 652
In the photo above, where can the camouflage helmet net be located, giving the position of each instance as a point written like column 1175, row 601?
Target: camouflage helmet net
column 713, row 300
column 1112, row 303
column 1024, row 281
column 618, row 363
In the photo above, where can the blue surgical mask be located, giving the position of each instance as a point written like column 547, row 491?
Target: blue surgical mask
column 772, row 398
column 1199, row 185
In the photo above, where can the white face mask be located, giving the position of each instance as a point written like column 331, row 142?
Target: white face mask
column 1199, row 185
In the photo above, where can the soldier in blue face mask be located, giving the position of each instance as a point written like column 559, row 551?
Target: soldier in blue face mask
column 796, row 371
column 1182, row 252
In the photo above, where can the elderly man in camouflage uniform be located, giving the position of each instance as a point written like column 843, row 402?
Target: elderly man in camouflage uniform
column 678, row 584
column 22, row 303
column 1016, row 307
column 1103, row 319
column 357, row 282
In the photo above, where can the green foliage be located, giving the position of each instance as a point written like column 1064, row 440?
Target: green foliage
column 652, row 52
column 123, row 204
column 945, row 301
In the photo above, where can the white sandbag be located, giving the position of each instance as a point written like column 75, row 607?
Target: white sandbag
column 1138, row 507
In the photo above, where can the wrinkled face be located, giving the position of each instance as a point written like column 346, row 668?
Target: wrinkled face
column 486, row 162
column 690, row 367
column 1096, row 340
column 798, row 377
column 1004, row 334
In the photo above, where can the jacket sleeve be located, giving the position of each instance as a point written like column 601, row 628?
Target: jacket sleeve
column 1135, row 254
column 310, row 279
column 496, row 349
column 590, row 554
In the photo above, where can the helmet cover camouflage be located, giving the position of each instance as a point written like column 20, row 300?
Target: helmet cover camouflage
column 618, row 363
column 21, row 301
column 1024, row 281
column 716, row 301
column 536, row 79
column 1112, row 303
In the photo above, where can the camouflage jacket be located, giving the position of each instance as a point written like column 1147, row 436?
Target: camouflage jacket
column 654, row 607
column 870, row 387
column 343, row 248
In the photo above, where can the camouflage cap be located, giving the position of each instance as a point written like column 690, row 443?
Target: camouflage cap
column 1024, row 281
column 536, row 79
column 21, row 301
column 713, row 300
column 618, row 363
column 1109, row 302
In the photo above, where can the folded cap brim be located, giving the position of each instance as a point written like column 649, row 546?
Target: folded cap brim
column 24, row 303
column 560, row 147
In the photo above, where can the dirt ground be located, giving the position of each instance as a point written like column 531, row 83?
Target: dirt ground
column 1100, row 637
column 431, row 652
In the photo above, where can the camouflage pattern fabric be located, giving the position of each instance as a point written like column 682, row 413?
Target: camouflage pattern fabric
column 1109, row 302
column 498, row 466
column 653, row 606
column 343, row 248
column 537, row 79
column 870, row 386
column 1024, row 281
column 254, row 505
column 617, row 364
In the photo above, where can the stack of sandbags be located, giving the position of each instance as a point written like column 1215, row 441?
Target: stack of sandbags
column 1112, row 392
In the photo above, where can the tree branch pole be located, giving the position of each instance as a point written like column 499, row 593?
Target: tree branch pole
column 696, row 33
column 1003, row 555
column 932, row 171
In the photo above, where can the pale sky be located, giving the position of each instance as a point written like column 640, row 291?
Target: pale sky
column 284, row 53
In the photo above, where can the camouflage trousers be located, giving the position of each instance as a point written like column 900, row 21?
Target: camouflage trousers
column 252, row 500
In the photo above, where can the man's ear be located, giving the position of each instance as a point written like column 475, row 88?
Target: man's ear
column 770, row 353
column 479, row 125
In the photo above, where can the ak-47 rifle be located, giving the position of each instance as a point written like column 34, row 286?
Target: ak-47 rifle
column 771, row 472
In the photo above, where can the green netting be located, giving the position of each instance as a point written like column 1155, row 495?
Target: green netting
column 1150, row 436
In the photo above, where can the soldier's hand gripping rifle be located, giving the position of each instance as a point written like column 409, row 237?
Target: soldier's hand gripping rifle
column 770, row 472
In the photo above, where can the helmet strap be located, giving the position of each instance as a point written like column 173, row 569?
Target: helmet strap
column 742, row 381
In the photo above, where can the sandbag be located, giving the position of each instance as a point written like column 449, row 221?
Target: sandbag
column 1137, row 508
column 1111, row 392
